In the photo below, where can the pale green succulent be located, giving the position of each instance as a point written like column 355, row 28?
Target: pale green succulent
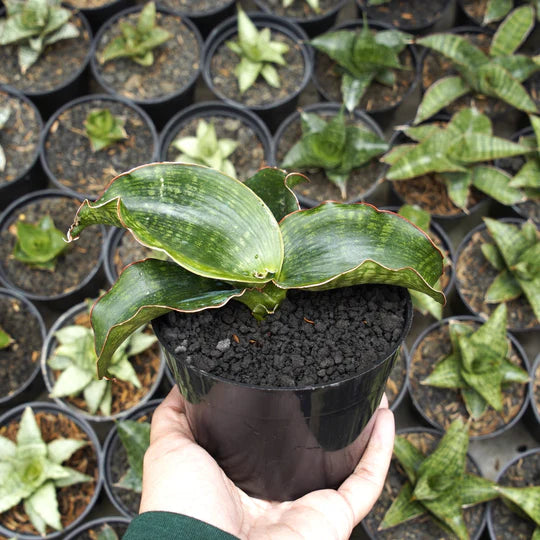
column 104, row 128
column 31, row 470
column 4, row 117
column 313, row 4
column 135, row 438
column 107, row 533
column 5, row 339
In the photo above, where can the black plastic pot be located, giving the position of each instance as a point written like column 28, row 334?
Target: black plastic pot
column 113, row 521
column 29, row 388
column 14, row 415
column 281, row 443
column 273, row 113
column 394, row 404
column 533, row 413
column 93, row 97
column 159, row 108
column 88, row 287
column 326, row 108
column 98, row 15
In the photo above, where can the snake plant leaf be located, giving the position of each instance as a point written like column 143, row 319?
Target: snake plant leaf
column 353, row 88
column 457, row 186
column 71, row 381
column 496, row 10
column 504, row 287
column 396, row 153
column 476, row 490
column 5, row 339
column 496, row 183
column 456, row 48
column 409, row 457
column 493, row 256
column 527, row 176
column 402, row 509
column 446, row 374
column 474, row 147
column 416, row 215
column 512, row 32
column 338, row 46
column 42, row 508
column 526, row 499
column 135, row 438
column 93, row 394
column 521, row 67
column 61, row 449
column 470, row 121
column 475, row 404
column 421, row 133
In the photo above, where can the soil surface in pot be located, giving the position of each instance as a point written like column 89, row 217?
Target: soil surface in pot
column 192, row 6
column 94, row 533
column 443, row 405
column 18, row 361
column 423, row 527
column 19, row 138
column 299, row 9
column 72, row 500
column 175, row 61
column 248, row 157
column 127, row 251
column 507, row 524
column 222, row 72
column 70, row 156
column 397, row 377
column 72, row 267
column 319, row 188
column 313, row 338
column 474, row 275
column 58, row 63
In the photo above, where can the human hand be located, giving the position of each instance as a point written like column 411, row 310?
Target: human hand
column 180, row 476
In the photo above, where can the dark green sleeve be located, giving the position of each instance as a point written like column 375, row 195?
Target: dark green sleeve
column 169, row 526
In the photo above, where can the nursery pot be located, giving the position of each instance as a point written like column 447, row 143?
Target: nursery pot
column 279, row 443
column 117, row 523
column 532, row 416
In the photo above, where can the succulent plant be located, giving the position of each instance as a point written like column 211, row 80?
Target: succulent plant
column 76, row 358
column 5, row 339
column 516, row 256
column 498, row 74
column 5, row 112
column 458, row 152
column 498, row 9
column 257, row 54
column 35, row 24
column 333, row 146
column 439, row 485
column 138, row 41
column 363, row 57
column 103, row 128
column 31, row 470
column 313, row 4
column 106, row 533
column 135, row 438
column 207, row 149
column 39, row 246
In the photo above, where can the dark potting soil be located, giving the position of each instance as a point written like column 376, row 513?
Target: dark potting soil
column 72, row 267
column 319, row 187
column 443, row 405
column 313, row 338
column 175, row 62
column 19, row 138
column 507, row 524
column 222, row 72
column 193, row 6
column 423, row 527
column 397, row 377
column 70, row 157
column 58, row 63
column 18, row 361
column 299, row 9
column 94, row 533
column 248, row 157
column 72, row 500
column 474, row 275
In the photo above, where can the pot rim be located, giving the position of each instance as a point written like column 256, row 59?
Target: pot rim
column 96, row 522
column 265, row 8
column 532, row 381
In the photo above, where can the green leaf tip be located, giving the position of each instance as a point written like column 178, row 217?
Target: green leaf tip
column 104, row 129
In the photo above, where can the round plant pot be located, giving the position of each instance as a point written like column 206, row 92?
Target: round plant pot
column 421, row 527
column 275, row 104
column 533, row 413
column 19, row 139
column 68, row 159
column 148, row 365
column 521, row 471
column 118, row 524
column 78, row 273
column 396, row 385
column 431, row 346
column 20, row 381
column 101, row 11
column 474, row 275
column 89, row 463
column 281, row 442
column 362, row 182
column 167, row 85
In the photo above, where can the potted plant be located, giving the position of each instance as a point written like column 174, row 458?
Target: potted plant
column 105, row 528
column 533, row 416
column 492, row 11
column 258, row 271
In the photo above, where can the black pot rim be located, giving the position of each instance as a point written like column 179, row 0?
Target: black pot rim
column 96, row 523
column 73, row 103
column 403, row 391
column 532, row 401
column 317, row 17
column 85, row 426
column 4, row 400
column 160, row 100
column 331, row 107
column 227, row 29
column 515, row 344
column 46, row 352
column 201, row 14
column 23, row 201
column 97, row 9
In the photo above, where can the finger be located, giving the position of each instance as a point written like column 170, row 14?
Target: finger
column 170, row 417
column 384, row 402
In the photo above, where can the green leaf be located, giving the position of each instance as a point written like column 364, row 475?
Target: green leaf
column 135, row 437
column 496, row 10
column 456, row 48
column 103, row 128
column 409, row 457
column 7, row 448
column 71, row 381
column 496, row 183
column 503, row 288
column 417, row 216
column 42, row 508
column 5, row 339
column 519, row 66
column 124, row 371
column 29, row 433
column 402, row 509
column 62, row 449
column 426, row 305
column 527, row 176
column 475, row 147
column 457, row 186
column 72, row 476
column 476, row 490
column 475, row 404
column 493, row 256
column 93, row 393
column 446, row 373
column 353, row 88
column 247, row 72
column 470, row 121
column 526, row 498
column 512, row 32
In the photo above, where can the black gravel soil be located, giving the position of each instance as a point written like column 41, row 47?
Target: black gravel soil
column 175, row 62
column 72, row 266
column 93, row 534
column 313, row 338
column 70, row 157
column 55, row 66
column 19, row 138
column 192, row 6
column 299, row 9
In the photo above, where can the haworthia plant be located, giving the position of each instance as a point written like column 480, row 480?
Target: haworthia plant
column 248, row 241
column 498, row 9
column 257, row 54
column 498, row 74
column 206, row 149
column 363, row 57
column 478, row 364
column 313, row 4
column 31, row 470
column 5, row 339
column 515, row 254
column 135, row 438
column 334, row 146
column 5, row 113
column 33, row 25
column 104, row 128
column 439, row 485
column 75, row 358
column 459, row 152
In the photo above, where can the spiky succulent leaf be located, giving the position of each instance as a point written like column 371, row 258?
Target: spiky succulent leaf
column 5, row 339
column 402, row 509
column 497, row 10
column 496, row 183
column 135, row 438
column 512, row 32
column 527, row 499
column 103, row 128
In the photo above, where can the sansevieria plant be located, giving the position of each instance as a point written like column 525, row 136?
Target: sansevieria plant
column 5, row 112
column 498, row 9
column 248, row 241
column 5, row 339
column 135, row 438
